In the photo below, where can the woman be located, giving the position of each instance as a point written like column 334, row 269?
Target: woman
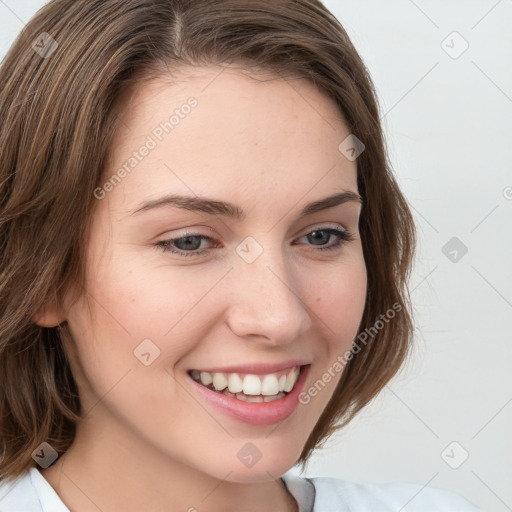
column 199, row 228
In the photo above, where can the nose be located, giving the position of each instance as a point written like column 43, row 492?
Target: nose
column 264, row 301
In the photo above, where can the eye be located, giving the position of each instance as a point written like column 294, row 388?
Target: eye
column 342, row 235
column 190, row 241
column 189, row 244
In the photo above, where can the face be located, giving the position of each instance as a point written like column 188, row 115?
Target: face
column 271, row 288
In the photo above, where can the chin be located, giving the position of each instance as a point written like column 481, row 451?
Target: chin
column 257, row 473
column 258, row 460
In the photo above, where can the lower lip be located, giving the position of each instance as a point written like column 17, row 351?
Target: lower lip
column 254, row 413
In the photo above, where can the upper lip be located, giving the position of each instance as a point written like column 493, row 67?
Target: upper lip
column 255, row 368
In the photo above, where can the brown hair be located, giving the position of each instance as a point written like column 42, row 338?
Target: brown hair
column 58, row 105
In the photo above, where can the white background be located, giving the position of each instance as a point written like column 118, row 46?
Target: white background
column 448, row 124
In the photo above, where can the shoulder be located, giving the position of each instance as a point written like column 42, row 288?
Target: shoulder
column 29, row 493
column 386, row 497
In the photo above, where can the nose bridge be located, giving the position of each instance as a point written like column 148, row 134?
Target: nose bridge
column 264, row 297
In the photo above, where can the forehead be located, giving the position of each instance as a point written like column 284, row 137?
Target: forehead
column 254, row 134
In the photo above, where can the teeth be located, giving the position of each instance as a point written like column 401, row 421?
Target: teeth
column 272, row 398
column 235, row 383
column 206, row 378
column 291, row 379
column 270, row 385
column 253, row 385
column 219, row 381
column 256, row 399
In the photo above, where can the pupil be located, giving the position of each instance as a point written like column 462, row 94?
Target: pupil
column 185, row 242
column 315, row 236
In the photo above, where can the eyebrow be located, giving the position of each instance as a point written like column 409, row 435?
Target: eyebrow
column 227, row 209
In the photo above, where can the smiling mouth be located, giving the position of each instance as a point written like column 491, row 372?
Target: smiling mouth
column 249, row 387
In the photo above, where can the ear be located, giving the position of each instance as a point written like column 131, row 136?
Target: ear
column 49, row 315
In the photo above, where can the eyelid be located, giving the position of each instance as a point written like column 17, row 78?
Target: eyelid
column 323, row 225
column 212, row 233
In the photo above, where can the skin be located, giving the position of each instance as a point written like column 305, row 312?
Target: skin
column 148, row 441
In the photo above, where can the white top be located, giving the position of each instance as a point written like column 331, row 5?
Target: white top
column 32, row 493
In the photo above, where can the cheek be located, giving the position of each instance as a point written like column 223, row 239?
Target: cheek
column 136, row 303
column 338, row 308
column 141, row 315
column 128, row 310
column 340, row 301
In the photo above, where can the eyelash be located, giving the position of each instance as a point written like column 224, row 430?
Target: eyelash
column 343, row 237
